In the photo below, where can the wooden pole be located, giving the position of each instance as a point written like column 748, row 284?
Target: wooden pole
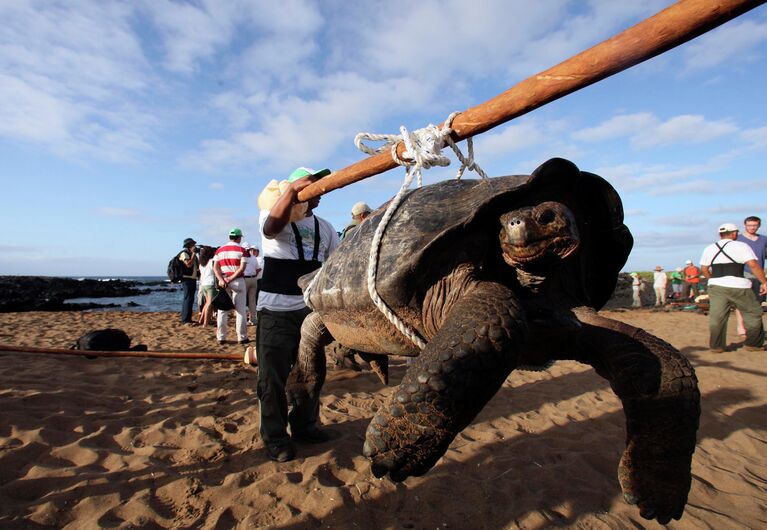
column 97, row 353
column 669, row 28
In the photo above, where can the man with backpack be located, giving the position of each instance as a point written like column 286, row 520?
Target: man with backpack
column 189, row 273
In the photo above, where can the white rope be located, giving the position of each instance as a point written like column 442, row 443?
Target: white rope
column 423, row 150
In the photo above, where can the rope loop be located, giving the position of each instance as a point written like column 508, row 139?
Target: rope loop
column 423, row 150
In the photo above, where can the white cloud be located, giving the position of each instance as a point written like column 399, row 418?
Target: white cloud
column 31, row 114
column 516, row 137
column 441, row 39
column 744, row 209
column 670, row 187
column 192, row 34
column 69, row 72
column 308, row 129
column 737, row 41
column 617, row 127
column 654, row 179
column 756, row 137
column 645, row 130
column 687, row 129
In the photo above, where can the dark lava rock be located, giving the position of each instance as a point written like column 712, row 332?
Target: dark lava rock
column 48, row 293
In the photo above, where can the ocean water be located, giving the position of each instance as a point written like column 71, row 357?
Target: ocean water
column 163, row 295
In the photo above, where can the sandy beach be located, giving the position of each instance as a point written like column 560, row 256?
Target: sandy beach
column 157, row 443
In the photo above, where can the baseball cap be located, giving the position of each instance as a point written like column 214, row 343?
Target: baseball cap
column 360, row 207
column 727, row 227
column 688, row 262
column 302, row 172
column 235, row 232
column 188, row 242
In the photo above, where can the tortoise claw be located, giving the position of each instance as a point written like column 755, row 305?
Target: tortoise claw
column 659, row 486
column 400, row 447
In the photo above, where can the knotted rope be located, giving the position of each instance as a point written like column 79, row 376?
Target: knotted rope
column 423, row 150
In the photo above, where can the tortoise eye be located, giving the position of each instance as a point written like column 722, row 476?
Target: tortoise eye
column 546, row 217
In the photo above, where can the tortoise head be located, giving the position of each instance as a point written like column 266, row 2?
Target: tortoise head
column 538, row 236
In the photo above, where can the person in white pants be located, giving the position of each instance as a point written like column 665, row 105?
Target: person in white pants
column 229, row 268
column 659, row 284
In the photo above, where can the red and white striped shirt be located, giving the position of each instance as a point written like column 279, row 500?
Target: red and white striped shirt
column 229, row 257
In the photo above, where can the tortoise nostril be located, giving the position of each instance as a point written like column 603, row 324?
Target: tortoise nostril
column 546, row 217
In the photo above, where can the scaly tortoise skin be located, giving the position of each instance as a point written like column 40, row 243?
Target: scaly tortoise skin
column 495, row 275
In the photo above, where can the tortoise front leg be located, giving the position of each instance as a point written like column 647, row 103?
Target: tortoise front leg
column 456, row 374
column 659, row 391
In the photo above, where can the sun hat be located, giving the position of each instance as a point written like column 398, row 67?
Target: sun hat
column 272, row 192
column 634, row 275
column 658, row 268
column 235, row 232
column 727, row 227
column 679, row 269
column 249, row 246
column 302, row 172
column 360, row 207
column 188, row 242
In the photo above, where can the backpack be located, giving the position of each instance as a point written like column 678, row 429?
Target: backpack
column 175, row 269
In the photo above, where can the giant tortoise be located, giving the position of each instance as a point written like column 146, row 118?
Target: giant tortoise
column 494, row 275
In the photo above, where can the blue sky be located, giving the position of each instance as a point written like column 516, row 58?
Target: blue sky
column 126, row 127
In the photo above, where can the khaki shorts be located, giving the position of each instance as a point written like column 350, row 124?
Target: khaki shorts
column 207, row 293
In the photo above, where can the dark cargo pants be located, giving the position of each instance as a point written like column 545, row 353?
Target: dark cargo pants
column 278, row 337
column 722, row 300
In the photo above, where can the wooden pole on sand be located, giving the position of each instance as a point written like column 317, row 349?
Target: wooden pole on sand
column 667, row 29
column 94, row 353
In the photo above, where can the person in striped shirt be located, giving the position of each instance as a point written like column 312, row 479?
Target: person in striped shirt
column 229, row 268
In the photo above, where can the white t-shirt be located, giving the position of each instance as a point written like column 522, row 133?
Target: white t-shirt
column 660, row 279
column 207, row 276
column 283, row 246
column 738, row 251
column 260, row 261
column 252, row 264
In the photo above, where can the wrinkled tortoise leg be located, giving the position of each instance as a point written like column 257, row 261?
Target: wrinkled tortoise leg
column 444, row 388
column 308, row 375
column 378, row 363
column 659, row 391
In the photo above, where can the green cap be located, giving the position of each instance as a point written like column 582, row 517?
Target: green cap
column 306, row 171
column 235, row 232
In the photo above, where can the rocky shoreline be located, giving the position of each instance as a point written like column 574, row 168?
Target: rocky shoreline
column 49, row 293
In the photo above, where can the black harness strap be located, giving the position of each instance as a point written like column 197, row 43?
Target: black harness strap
column 281, row 275
column 725, row 269
column 300, row 243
